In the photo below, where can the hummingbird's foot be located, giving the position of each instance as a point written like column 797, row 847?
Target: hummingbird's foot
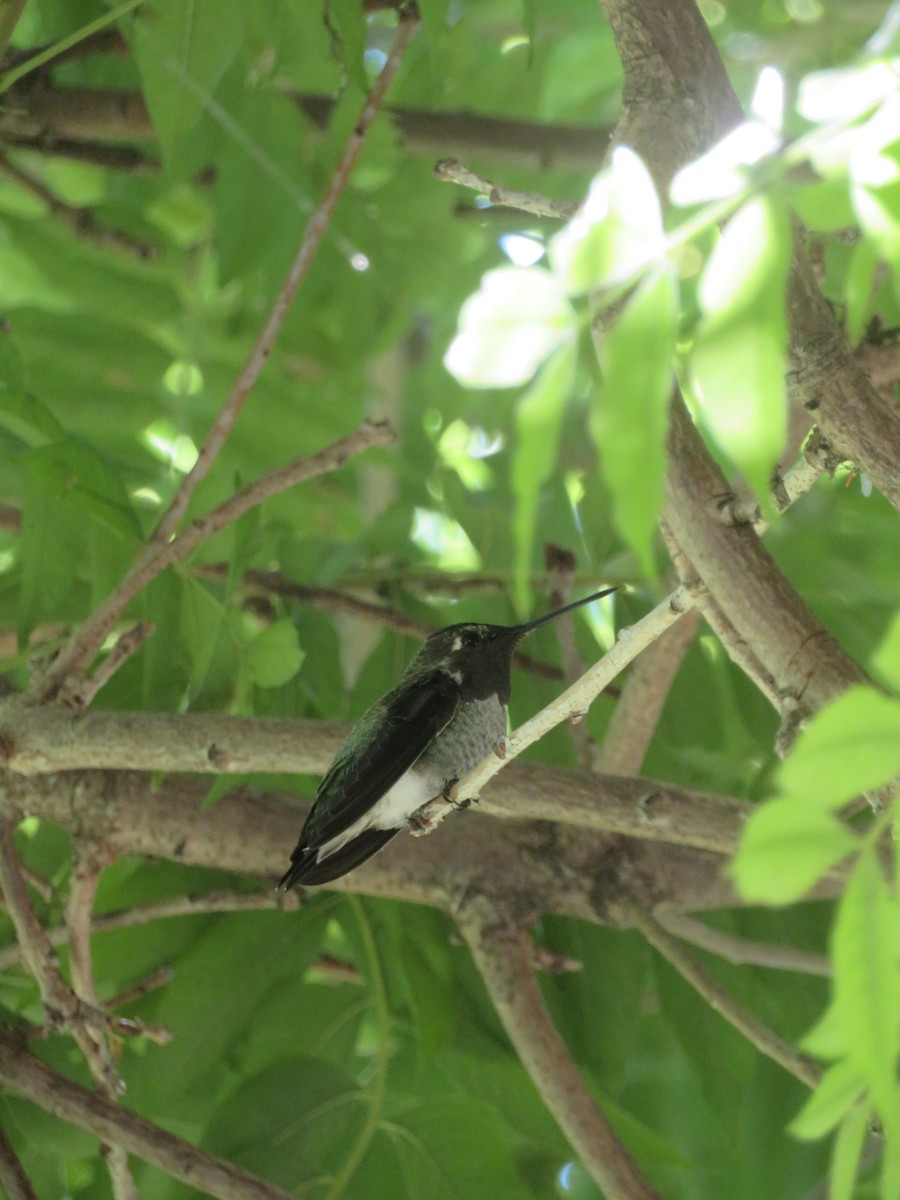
column 500, row 748
column 448, row 791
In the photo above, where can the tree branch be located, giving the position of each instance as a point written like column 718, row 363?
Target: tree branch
column 802, row 658
column 451, row 170
column 503, row 957
column 251, row 832
column 12, row 1177
column 82, row 889
column 10, row 11
column 80, row 121
column 334, row 600
column 24, row 1075
column 721, row 1001
column 639, row 708
column 742, row 951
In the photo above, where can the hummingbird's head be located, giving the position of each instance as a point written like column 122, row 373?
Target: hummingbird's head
column 479, row 657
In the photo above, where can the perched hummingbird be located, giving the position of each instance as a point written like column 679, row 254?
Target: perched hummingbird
column 444, row 716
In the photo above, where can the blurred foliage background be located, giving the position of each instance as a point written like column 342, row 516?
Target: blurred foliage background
column 138, row 259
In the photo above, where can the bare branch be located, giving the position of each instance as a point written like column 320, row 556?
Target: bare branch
column 755, row 597
column 560, row 576
column 251, row 833
column 43, row 741
column 182, row 906
column 15, row 1182
column 10, row 518
column 643, row 697
column 79, row 220
column 38, row 955
column 503, row 957
column 129, row 643
column 24, row 1075
column 333, row 600
column 82, row 889
column 721, row 1001
column 81, row 122
column 451, row 170
column 742, row 951
column 10, row 11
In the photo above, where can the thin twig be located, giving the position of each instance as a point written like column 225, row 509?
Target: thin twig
column 24, row 1075
column 71, row 662
column 37, row 954
column 743, row 951
column 503, row 957
column 82, row 890
column 560, row 575
column 721, row 1001
column 62, row 1006
column 180, row 906
column 129, row 643
column 333, row 600
column 451, row 170
column 13, row 1179
column 80, row 221
column 10, row 11
column 576, row 700
column 644, row 694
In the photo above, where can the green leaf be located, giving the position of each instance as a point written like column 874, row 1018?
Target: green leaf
column 274, row 656
column 538, row 417
column 825, row 206
column 875, row 172
column 848, row 1146
column 182, row 51
column 839, row 1091
column 828, row 1037
column 861, row 275
column 28, row 418
column 847, row 748
column 514, row 321
column 867, row 977
column 738, row 360
column 76, row 474
column 616, row 233
column 630, row 416
column 785, row 848
column 346, row 20
column 886, row 659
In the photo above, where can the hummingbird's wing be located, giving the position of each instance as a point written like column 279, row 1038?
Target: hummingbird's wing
column 395, row 734
column 413, row 717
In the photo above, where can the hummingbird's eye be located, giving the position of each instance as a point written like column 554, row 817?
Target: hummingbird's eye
column 470, row 638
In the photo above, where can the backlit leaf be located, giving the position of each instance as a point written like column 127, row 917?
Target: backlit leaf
column 785, row 848
column 738, row 360
column 514, row 321
column 847, row 748
column 629, row 417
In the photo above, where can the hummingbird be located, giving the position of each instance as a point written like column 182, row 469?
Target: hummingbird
column 446, row 714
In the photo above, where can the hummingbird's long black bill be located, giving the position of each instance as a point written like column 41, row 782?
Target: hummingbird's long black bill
column 520, row 631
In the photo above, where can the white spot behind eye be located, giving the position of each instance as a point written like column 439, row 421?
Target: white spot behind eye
column 457, row 642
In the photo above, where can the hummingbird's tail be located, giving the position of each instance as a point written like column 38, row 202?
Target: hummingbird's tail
column 306, row 868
